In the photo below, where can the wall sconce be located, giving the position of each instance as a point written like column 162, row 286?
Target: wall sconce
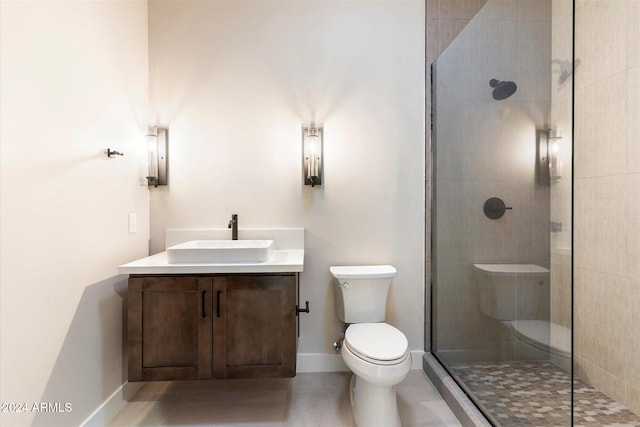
column 549, row 166
column 157, row 156
column 312, row 154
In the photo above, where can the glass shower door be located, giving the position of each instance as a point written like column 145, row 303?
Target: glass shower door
column 501, row 211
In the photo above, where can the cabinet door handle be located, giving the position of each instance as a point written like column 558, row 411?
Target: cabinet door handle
column 218, row 303
column 204, row 305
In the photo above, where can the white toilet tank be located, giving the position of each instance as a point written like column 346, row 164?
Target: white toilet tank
column 513, row 291
column 361, row 292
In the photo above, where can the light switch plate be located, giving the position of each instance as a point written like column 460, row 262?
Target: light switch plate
column 132, row 223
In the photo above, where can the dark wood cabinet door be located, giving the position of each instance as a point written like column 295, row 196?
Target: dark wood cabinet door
column 255, row 326
column 170, row 328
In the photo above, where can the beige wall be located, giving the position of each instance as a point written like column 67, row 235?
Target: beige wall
column 607, row 190
column 73, row 82
column 235, row 80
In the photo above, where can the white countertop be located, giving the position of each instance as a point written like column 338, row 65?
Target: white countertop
column 282, row 261
column 288, row 256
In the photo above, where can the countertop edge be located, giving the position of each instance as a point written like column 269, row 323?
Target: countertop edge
column 157, row 264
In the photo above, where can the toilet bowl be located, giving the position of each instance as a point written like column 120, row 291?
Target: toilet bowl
column 377, row 353
column 379, row 357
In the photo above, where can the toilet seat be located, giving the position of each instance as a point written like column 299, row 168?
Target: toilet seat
column 378, row 343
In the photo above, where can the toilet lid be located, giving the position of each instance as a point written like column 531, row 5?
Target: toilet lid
column 363, row 271
column 377, row 341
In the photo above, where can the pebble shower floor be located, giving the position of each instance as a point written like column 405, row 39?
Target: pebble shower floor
column 537, row 393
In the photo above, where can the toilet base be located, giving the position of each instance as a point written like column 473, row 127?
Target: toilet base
column 373, row 406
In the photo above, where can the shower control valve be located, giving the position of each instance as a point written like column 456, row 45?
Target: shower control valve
column 494, row 208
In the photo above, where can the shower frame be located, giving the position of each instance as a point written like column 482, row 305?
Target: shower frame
column 432, row 198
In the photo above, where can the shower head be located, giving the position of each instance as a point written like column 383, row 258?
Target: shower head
column 502, row 90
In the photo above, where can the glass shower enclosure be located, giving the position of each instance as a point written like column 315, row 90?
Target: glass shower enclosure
column 502, row 95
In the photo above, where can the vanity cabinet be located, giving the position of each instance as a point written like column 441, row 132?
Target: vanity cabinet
column 170, row 328
column 189, row 327
column 255, row 327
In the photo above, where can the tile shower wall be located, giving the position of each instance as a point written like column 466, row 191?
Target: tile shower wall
column 445, row 20
column 607, row 190
column 489, row 150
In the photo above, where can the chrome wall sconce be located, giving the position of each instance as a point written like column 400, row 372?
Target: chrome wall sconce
column 157, row 156
column 312, row 154
column 549, row 166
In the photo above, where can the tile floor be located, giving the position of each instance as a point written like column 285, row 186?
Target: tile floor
column 310, row 399
column 538, row 393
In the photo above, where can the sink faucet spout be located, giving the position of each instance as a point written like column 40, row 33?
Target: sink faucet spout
column 233, row 225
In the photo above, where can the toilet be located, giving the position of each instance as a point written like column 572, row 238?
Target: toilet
column 376, row 352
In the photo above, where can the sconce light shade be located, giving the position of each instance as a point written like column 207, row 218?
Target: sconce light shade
column 312, row 154
column 549, row 166
column 157, row 156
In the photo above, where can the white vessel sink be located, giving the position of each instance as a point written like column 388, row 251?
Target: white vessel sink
column 220, row 251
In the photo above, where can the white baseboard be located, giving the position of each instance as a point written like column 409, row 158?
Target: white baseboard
column 320, row 362
column 324, row 362
column 416, row 359
column 114, row 404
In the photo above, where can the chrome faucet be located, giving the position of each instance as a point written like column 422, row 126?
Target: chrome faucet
column 233, row 225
